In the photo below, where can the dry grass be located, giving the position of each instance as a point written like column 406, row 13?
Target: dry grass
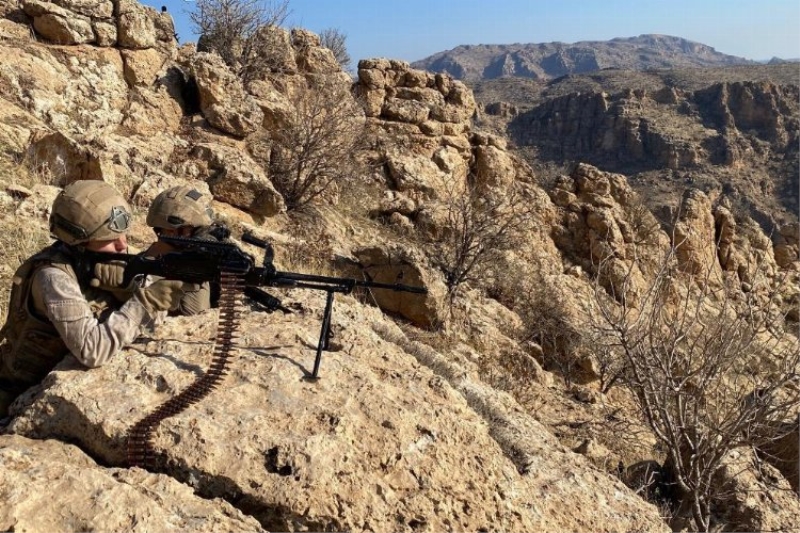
column 19, row 239
column 17, row 243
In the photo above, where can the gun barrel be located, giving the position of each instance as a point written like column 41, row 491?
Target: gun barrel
column 345, row 285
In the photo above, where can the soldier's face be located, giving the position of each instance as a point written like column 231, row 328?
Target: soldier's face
column 118, row 245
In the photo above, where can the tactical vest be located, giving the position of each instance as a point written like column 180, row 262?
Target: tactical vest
column 30, row 345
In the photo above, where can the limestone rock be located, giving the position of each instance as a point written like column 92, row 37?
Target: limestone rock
column 59, row 25
column 391, row 435
column 787, row 246
column 70, row 492
column 136, row 26
column 750, row 506
column 310, row 56
column 67, row 160
column 78, row 91
column 383, row 264
column 223, row 99
column 694, row 234
column 236, row 179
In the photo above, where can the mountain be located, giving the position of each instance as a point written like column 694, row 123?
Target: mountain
column 550, row 60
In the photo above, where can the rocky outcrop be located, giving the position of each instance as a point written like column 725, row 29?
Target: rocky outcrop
column 750, row 505
column 123, row 23
column 223, row 100
column 762, row 108
column 736, row 137
column 70, row 492
column 609, row 129
column 393, row 435
column 236, row 179
column 605, row 229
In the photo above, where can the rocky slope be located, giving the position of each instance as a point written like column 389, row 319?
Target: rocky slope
column 545, row 61
column 431, row 413
column 732, row 130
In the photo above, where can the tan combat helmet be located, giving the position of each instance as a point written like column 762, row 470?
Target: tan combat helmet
column 89, row 210
column 178, row 207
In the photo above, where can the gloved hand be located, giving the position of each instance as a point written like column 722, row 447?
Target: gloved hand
column 163, row 295
column 108, row 275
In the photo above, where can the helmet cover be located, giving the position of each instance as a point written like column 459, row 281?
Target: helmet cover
column 89, row 210
column 178, row 207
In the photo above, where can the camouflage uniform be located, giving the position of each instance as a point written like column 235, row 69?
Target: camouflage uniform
column 56, row 316
column 53, row 312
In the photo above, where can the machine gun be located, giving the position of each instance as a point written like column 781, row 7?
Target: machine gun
column 199, row 261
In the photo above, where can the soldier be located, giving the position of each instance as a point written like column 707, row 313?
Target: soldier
column 183, row 212
column 53, row 312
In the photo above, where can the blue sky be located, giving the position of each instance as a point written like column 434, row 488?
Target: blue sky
column 414, row 29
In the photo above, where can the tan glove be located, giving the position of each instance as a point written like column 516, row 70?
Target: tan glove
column 163, row 295
column 108, row 275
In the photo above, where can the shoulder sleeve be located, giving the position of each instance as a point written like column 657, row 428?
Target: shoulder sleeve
column 196, row 301
column 93, row 343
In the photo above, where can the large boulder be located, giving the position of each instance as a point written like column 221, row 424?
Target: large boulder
column 223, row 100
column 236, row 179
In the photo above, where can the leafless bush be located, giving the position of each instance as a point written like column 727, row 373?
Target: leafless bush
column 481, row 226
column 234, row 29
column 320, row 144
column 336, row 41
column 711, row 367
column 548, row 324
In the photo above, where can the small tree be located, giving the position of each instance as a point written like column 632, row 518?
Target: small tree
column 320, row 142
column 234, row 29
column 711, row 368
column 336, row 42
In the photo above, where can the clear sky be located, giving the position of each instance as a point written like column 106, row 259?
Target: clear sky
column 415, row 29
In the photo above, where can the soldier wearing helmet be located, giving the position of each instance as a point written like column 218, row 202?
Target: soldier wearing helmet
column 182, row 211
column 53, row 312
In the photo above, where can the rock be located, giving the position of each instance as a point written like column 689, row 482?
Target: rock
column 236, row 179
column 223, row 100
column 70, row 492
column 392, row 433
column 749, row 505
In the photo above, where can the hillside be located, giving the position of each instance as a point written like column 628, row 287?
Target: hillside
column 545, row 61
column 731, row 129
column 508, row 397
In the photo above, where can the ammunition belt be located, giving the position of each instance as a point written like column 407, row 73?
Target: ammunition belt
column 140, row 446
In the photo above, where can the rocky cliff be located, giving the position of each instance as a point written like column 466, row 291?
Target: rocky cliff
column 670, row 131
column 435, row 412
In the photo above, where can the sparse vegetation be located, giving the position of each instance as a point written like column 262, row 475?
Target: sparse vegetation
column 319, row 144
column 237, row 30
column 712, row 369
column 480, row 225
column 336, row 41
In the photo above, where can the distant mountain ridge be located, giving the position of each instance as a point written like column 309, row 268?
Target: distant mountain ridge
column 545, row 61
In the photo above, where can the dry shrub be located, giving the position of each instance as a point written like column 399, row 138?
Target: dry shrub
column 712, row 368
column 336, row 41
column 320, row 144
column 234, row 29
column 480, row 226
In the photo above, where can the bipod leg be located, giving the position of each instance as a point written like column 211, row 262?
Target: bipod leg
column 324, row 336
